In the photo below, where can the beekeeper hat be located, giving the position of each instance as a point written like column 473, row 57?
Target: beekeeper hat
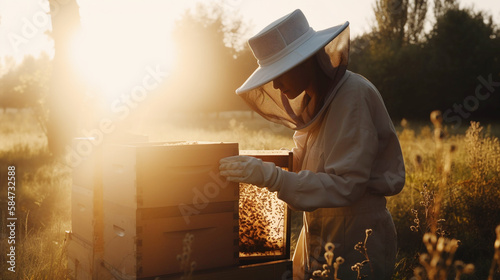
column 284, row 44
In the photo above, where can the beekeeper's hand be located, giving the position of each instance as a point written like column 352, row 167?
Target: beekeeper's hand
column 251, row 170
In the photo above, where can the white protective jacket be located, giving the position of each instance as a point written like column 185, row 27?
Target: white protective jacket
column 346, row 160
column 351, row 151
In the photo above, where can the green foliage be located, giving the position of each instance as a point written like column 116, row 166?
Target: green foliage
column 417, row 73
column 25, row 85
column 211, row 62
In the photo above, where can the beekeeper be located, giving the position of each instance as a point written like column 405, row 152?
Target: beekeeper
column 347, row 156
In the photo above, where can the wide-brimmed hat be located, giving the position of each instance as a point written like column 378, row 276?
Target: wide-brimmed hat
column 284, row 44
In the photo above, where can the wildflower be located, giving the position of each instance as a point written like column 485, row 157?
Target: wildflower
column 424, row 258
column 329, row 257
column 329, row 247
column 459, row 265
column 317, row 273
column 453, row 148
column 469, row 268
column 418, row 160
column 419, row 272
column 441, row 244
column 404, row 123
column 358, row 246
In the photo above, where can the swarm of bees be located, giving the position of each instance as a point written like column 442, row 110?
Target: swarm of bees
column 262, row 217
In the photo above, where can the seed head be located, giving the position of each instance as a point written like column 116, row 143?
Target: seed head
column 469, row 269
column 329, row 257
column 459, row 265
column 317, row 273
column 329, row 247
column 418, row 159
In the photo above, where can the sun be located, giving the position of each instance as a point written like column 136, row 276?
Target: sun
column 114, row 50
column 113, row 66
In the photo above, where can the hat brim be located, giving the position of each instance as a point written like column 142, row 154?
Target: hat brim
column 265, row 74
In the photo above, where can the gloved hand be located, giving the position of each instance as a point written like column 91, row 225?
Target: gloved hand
column 250, row 170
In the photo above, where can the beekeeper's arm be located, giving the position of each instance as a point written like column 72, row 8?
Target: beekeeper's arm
column 350, row 147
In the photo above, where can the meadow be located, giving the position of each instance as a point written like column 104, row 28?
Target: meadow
column 452, row 190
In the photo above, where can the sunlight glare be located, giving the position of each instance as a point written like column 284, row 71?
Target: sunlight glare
column 111, row 56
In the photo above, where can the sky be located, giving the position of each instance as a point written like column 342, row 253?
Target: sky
column 121, row 37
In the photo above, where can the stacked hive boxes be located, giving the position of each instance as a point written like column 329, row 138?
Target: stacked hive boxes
column 85, row 240
column 156, row 193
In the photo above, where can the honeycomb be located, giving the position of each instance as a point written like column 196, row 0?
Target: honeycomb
column 262, row 222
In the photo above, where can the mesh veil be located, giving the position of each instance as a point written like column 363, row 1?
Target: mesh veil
column 302, row 111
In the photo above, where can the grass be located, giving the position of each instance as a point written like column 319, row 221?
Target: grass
column 42, row 197
column 460, row 170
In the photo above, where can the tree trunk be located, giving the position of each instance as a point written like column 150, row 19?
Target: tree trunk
column 65, row 89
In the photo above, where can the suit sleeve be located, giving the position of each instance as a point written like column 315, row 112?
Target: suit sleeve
column 348, row 150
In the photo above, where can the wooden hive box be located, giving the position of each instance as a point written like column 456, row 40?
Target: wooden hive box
column 85, row 192
column 156, row 193
column 85, row 239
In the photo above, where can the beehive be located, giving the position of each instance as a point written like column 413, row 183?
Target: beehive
column 85, row 240
column 264, row 226
column 156, row 193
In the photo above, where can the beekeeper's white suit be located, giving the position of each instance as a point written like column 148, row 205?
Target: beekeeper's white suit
column 346, row 164
column 346, row 160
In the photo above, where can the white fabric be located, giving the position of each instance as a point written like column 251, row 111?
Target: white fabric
column 250, row 170
column 347, row 158
column 346, row 163
column 353, row 150
column 284, row 44
column 300, row 112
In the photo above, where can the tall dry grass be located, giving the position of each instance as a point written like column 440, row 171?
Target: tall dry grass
column 462, row 173
column 42, row 197
column 459, row 168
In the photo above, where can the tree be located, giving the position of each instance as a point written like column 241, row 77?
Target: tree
column 65, row 90
column 417, row 14
column 400, row 21
column 25, row 85
column 442, row 6
column 391, row 17
column 440, row 70
column 210, row 64
column 463, row 46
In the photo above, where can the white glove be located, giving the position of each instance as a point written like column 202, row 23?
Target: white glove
column 251, row 170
